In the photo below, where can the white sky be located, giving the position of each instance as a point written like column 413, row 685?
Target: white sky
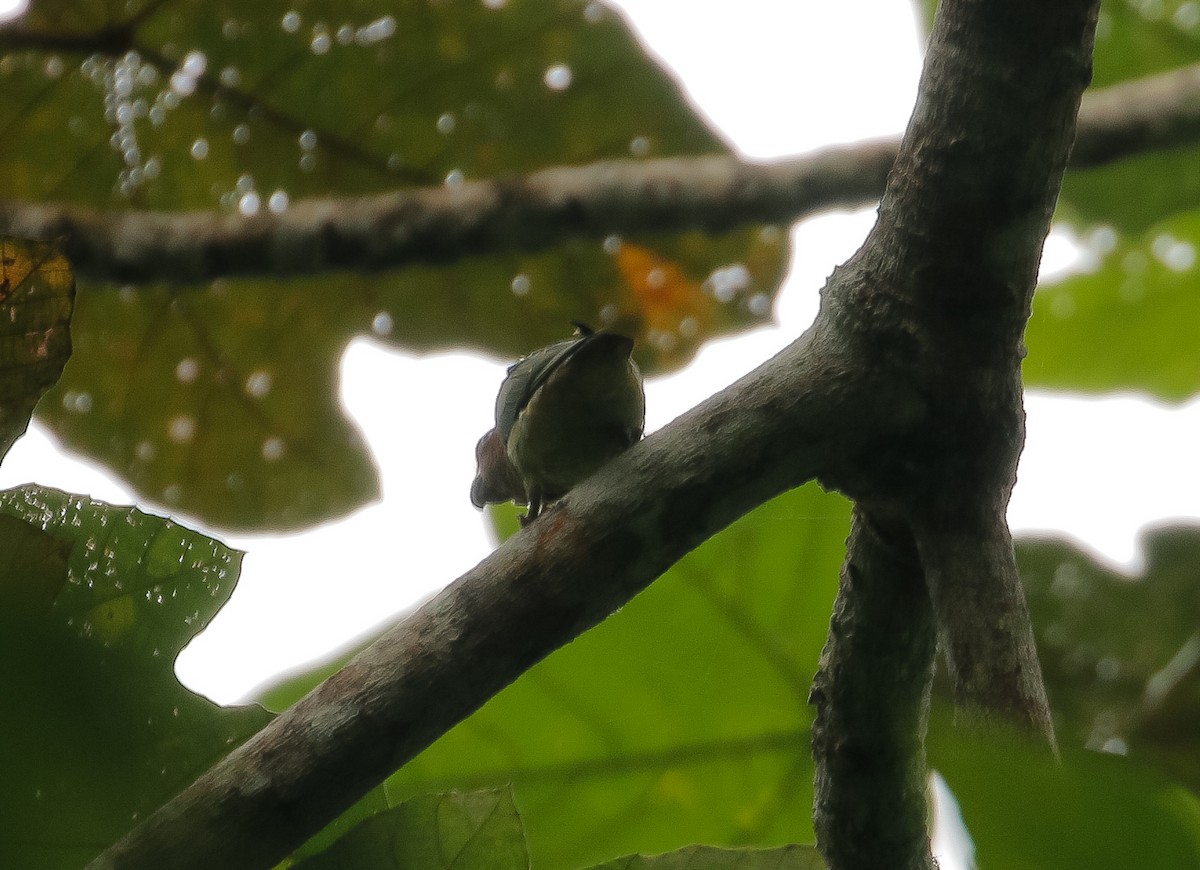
column 777, row 78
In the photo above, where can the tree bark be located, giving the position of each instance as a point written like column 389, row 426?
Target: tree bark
column 545, row 208
column 872, row 699
column 905, row 394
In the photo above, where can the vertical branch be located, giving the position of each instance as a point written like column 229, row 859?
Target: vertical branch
column 983, row 622
column 872, row 699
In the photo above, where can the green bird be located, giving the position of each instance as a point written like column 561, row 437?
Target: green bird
column 562, row 412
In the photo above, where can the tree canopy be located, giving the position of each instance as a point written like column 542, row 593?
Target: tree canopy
column 216, row 219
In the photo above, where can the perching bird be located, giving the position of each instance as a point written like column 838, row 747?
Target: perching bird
column 562, row 412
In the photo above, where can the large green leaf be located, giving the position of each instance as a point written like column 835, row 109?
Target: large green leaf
column 1025, row 811
column 682, row 719
column 95, row 603
column 1121, row 655
column 232, row 107
column 456, row 831
column 1134, row 39
column 1130, row 324
column 710, row 858
column 37, row 294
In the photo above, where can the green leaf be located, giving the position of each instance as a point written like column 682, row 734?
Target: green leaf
column 176, row 106
column 710, row 858
column 1121, row 655
column 95, row 604
column 1128, row 325
column 37, row 293
column 682, row 719
column 223, row 406
column 461, row 830
column 1133, row 40
column 1026, row 811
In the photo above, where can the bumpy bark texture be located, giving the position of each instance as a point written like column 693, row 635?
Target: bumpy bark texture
column 905, row 395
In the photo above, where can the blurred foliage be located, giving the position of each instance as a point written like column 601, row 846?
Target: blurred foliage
column 457, row 831
column 1129, row 320
column 95, row 603
column 709, row 858
column 682, row 719
column 37, row 294
column 482, row 830
column 1122, row 655
column 218, row 400
column 1026, row 811
column 1130, row 323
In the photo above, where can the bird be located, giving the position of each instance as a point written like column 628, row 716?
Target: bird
column 562, row 412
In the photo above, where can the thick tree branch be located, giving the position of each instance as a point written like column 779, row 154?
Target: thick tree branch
column 872, row 699
column 904, row 394
column 584, row 558
column 536, row 211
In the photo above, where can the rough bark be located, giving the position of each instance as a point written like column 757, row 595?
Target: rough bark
column 872, row 698
column 537, row 211
column 905, row 394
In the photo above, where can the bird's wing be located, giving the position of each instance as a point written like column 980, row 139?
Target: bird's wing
column 526, row 377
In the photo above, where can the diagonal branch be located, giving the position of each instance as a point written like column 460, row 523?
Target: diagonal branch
column 544, row 208
column 564, row 573
column 904, row 394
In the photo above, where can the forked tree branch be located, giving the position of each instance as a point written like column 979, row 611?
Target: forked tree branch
column 536, row 211
column 905, row 394
column 872, row 698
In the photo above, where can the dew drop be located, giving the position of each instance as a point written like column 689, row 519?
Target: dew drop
column 258, row 384
column 308, row 140
column 454, row 178
column 187, row 370
column 382, row 324
column 182, row 429
column 291, row 21
column 230, row 77
column 278, row 202
column 558, row 77
column 273, row 449
column 194, row 64
column 520, row 284
column 612, row 244
column 639, row 146
column 241, row 134
column 181, row 85
column 249, row 204
column 321, row 43
column 200, row 149
column 446, row 123
column 77, row 402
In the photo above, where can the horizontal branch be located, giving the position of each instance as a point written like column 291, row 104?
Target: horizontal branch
column 543, row 208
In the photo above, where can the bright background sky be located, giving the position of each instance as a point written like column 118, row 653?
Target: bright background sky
column 776, row 78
